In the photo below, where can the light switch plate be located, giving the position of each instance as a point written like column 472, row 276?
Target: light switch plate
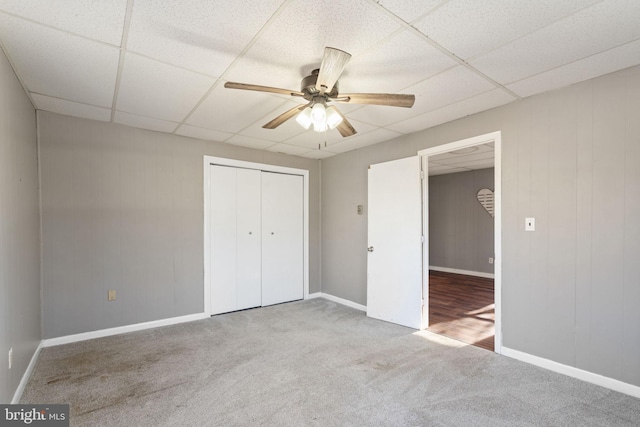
column 530, row 224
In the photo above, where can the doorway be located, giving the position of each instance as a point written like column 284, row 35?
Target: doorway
column 468, row 154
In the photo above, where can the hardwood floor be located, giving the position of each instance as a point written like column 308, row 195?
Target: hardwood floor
column 462, row 307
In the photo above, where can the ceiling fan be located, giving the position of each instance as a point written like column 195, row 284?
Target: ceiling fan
column 321, row 88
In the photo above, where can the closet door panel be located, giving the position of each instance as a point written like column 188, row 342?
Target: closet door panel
column 223, row 239
column 249, row 259
column 282, row 238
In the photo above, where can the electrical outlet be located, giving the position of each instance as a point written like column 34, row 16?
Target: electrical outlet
column 360, row 209
column 529, row 224
column 111, row 295
column 10, row 357
column 490, row 260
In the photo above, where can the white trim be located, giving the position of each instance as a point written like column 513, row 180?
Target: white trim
column 338, row 300
column 467, row 272
column 50, row 342
column 571, row 371
column 207, row 161
column 496, row 138
column 27, row 374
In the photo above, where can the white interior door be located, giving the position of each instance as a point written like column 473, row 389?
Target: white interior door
column 249, row 248
column 282, row 238
column 394, row 265
column 223, row 220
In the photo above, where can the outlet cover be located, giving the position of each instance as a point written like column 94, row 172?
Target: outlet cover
column 490, row 260
column 111, row 295
column 529, row 224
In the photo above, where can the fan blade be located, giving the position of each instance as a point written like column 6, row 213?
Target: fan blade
column 389, row 99
column 284, row 117
column 345, row 128
column 245, row 86
column 333, row 63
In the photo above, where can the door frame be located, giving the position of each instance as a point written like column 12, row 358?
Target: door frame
column 496, row 138
column 212, row 160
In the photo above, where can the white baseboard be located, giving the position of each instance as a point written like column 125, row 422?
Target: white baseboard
column 338, row 300
column 27, row 374
column 467, row 272
column 50, row 342
column 571, row 371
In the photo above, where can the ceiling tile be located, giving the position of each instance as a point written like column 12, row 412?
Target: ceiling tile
column 475, row 104
column 364, row 140
column 294, row 43
column 201, row 133
column 155, row 89
column 144, row 122
column 200, row 35
column 69, row 108
column 602, row 63
column 590, row 31
column 247, row 141
column 400, row 61
column 55, row 63
column 230, row 110
column 410, row 10
column 288, row 149
column 95, row 19
column 447, row 170
column 446, row 88
column 469, row 27
column 319, row 154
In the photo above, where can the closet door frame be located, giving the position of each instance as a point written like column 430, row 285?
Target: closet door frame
column 211, row 160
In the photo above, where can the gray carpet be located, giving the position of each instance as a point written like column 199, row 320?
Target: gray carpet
column 309, row 363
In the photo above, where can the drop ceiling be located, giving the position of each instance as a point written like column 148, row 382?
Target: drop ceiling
column 161, row 65
column 463, row 160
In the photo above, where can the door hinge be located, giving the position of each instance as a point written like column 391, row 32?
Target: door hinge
column 421, row 239
column 421, row 174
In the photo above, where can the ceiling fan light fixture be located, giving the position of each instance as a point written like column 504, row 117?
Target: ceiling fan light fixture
column 318, row 113
column 320, row 126
column 333, row 117
column 304, row 118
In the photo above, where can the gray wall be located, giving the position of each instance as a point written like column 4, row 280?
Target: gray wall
column 122, row 209
column 460, row 229
column 19, row 231
column 570, row 159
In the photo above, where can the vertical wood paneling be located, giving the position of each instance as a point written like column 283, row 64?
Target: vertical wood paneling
column 584, row 225
column 460, row 230
column 608, row 226
column 19, row 231
column 631, row 272
column 560, row 324
column 539, row 239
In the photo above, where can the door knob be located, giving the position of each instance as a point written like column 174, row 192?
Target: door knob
column 370, row 248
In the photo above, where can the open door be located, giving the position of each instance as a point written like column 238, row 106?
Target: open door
column 394, row 265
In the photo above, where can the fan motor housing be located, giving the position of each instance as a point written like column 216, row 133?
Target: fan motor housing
column 308, row 87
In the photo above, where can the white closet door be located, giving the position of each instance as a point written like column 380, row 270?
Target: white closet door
column 282, row 238
column 223, row 239
column 249, row 262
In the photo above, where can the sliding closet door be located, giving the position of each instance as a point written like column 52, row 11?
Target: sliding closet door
column 235, row 239
column 282, row 238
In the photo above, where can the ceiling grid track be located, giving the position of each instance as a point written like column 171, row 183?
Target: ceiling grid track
column 123, row 51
